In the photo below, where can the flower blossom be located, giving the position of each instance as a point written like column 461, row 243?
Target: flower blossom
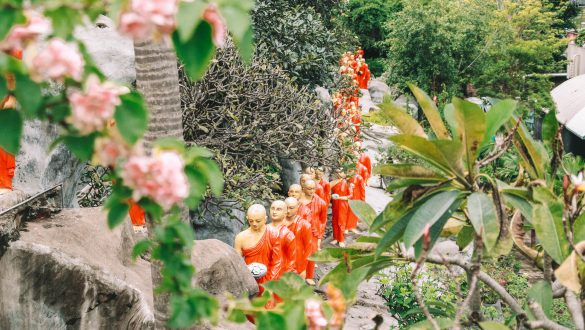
column 578, row 181
column 36, row 25
column 58, row 60
column 159, row 177
column 315, row 315
column 95, row 106
column 147, row 16
column 338, row 305
column 218, row 28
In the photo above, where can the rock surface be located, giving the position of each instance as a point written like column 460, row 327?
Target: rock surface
column 218, row 219
column 290, row 173
column 69, row 271
column 377, row 90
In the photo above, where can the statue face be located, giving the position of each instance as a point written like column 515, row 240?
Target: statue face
column 304, row 178
column 309, row 188
column 257, row 221
column 295, row 191
column 291, row 209
column 277, row 211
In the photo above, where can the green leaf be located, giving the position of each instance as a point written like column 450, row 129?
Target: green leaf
column 64, row 20
column 482, row 214
column 434, row 209
column 533, row 155
column 197, row 52
column 434, row 234
column 188, row 16
column 293, row 314
column 3, row 88
column 29, row 95
column 430, row 151
column 395, row 233
column 213, row 174
column 246, row 45
column 449, row 113
column 408, row 171
column 426, row 325
column 363, row 211
column 290, row 287
column 490, row 325
column 9, row 16
column 465, row 237
column 170, row 143
column 431, row 112
column 270, row 321
column 547, row 222
column 81, row 146
column 346, row 281
column 520, row 203
column 186, row 310
column 117, row 214
column 11, row 130
column 498, row 115
column 579, row 229
column 471, row 125
column 401, row 119
column 140, row 247
column 131, row 117
column 541, row 293
column 550, row 126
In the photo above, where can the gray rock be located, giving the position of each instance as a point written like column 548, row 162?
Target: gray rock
column 11, row 198
column 377, row 90
column 323, row 95
column 218, row 219
column 366, row 103
column 69, row 271
column 290, row 173
column 112, row 53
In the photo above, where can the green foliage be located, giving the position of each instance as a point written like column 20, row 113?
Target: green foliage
column 131, row 117
column 296, row 38
column 10, row 134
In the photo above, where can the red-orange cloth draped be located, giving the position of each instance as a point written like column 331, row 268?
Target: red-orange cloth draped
column 340, row 210
column 318, row 219
column 364, row 76
column 303, row 241
column 320, row 191
column 327, row 189
column 366, row 161
column 268, row 252
column 358, row 193
column 363, row 172
column 136, row 214
column 289, row 250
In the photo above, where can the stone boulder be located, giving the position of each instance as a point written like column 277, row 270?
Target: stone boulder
column 69, row 271
column 323, row 95
column 290, row 173
column 218, row 219
column 366, row 104
column 377, row 90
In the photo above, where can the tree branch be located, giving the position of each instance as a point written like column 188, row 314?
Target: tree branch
column 542, row 322
column 574, row 306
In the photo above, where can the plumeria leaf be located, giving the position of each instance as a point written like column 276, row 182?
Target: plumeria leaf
column 140, row 247
column 131, row 117
column 81, row 146
column 9, row 16
column 197, row 52
column 11, row 130
column 188, row 16
column 117, row 214
column 29, row 95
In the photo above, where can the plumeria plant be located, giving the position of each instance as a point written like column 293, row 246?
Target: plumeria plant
column 104, row 121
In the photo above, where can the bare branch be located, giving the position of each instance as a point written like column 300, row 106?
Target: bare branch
column 574, row 306
column 542, row 322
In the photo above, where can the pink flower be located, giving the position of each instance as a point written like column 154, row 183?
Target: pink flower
column 109, row 149
column 36, row 26
column 92, row 108
column 315, row 315
column 135, row 26
column 218, row 28
column 58, row 60
column 146, row 16
column 159, row 177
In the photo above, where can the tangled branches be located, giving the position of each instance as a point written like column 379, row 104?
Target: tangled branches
column 251, row 115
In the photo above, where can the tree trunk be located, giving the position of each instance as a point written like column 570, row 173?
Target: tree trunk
column 157, row 79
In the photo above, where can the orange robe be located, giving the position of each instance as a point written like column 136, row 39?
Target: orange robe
column 318, row 219
column 301, row 228
column 367, row 162
column 362, row 170
column 320, row 191
column 364, row 76
column 340, row 210
column 289, row 250
column 136, row 214
column 7, row 160
column 268, row 252
column 358, row 193
column 327, row 188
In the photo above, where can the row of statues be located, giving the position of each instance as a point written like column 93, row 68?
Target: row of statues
column 298, row 223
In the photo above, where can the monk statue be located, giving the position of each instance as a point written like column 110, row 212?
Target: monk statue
column 260, row 244
column 365, row 160
column 318, row 219
column 358, row 192
column 310, row 175
column 320, row 178
column 296, row 191
column 278, row 212
column 341, row 195
column 304, row 236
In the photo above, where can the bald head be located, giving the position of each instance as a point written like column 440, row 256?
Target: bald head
column 310, row 172
column 292, row 206
column 304, row 178
column 309, row 188
column 295, row 191
column 256, row 217
column 277, row 212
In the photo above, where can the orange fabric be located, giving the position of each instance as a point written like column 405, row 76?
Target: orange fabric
column 363, row 172
column 340, row 210
column 289, row 250
column 301, row 228
column 319, row 191
column 327, row 189
column 366, row 161
column 318, row 219
column 7, row 167
column 136, row 214
column 268, row 252
column 358, row 193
